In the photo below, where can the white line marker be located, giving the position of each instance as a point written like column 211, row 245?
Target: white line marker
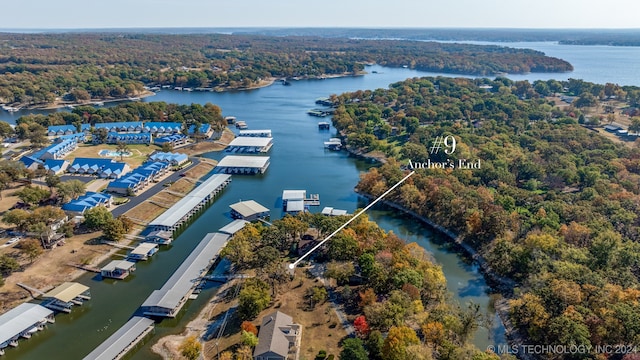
column 293, row 265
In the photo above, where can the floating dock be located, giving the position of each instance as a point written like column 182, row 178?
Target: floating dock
column 63, row 297
column 118, row 269
column 123, row 340
column 143, row 251
column 248, row 210
column 333, row 144
column 324, row 125
column 244, row 165
column 241, row 125
column 22, row 321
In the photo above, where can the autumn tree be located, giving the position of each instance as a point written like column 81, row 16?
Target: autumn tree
column 249, row 327
column 397, row 341
column 190, row 348
column 361, row 326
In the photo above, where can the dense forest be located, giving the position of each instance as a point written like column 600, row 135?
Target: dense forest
column 385, row 285
column 36, row 69
column 554, row 205
column 612, row 37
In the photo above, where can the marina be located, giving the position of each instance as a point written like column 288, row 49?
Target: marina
column 22, row 321
column 246, row 144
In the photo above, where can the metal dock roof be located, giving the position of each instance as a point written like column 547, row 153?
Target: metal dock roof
column 265, row 133
column 248, row 208
column 117, row 344
column 251, row 141
column 181, row 208
column 20, row 319
column 244, row 161
column 67, row 291
column 143, row 249
column 183, row 279
column 234, row 226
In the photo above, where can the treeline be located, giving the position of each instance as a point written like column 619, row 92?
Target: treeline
column 34, row 126
column 553, row 206
column 400, row 291
column 38, row 68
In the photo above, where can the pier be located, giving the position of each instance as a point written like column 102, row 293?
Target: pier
column 248, row 144
column 255, row 133
column 22, row 321
column 123, row 340
column 244, row 165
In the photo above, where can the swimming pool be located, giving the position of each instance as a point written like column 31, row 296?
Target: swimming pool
column 113, row 153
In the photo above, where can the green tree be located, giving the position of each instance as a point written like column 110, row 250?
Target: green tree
column 374, row 345
column 167, row 147
column 353, row 349
column 114, row 230
column 33, row 195
column 122, row 149
column 5, row 181
column 71, row 189
column 8, row 265
column 316, row 295
column 52, row 181
column 341, row 271
column 97, row 218
column 18, row 217
column 5, row 129
column 191, row 348
column 253, row 298
column 100, row 135
column 249, row 339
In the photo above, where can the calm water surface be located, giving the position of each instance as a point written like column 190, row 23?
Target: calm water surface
column 298, row 161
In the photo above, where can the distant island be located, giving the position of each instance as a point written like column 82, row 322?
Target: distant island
column 48, row 69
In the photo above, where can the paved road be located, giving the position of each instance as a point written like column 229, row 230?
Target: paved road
column 133, row 201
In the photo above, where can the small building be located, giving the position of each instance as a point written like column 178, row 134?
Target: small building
column 293, row 200
column 57, row 150
column 324, row 125
column 248, row 144
column 129, row 138
column 138, row 178
column 255, row 133
column 126, row 127
column 143, row 251
column 174, row 140
column 333, row 144
column 279, row 338
column 248, row 210
column 87, row 201
column 161, row 237
column 56, row 167
column 22, row 321
column 175, row 159
column 162, row 128
column 31, row 162
column 103, row 168
column 118, row 269
column 233, row 227
column 59, row 130
column 247, row 165
column 329, row 211
column 63, row 297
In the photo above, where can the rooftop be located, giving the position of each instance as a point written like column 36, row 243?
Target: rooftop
column 67, row 291
column 21, row 318
column 272, row 337
column 294, row 194
column 187, row 203
column 251, row 141
column 244, row 161
column 118, row 264
column 121, row 339
column 255, row 132
column 144, row 248
column 182, row 280
column 234, row 226
column 248, row 208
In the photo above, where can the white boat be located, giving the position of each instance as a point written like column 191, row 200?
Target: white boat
column 98, row 103
column 133, row 99
column 70, row 107
column 12, row 109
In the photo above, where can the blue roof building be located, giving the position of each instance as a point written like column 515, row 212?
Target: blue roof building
column 78, row 137
column 57, row 130
column 131, row 126
column 104, row 168
column 31, row 162
column 129, row 138
column 162, row 127
column 138, row 178
column 57, row 150
column 87, row 201
column 56, row 166
column 174, row 140
column 204, row 129
column 171, row 158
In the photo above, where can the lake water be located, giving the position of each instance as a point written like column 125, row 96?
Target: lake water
column 298, row 161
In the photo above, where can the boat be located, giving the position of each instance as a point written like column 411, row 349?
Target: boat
column 11, row 109
column 133, row 98
column 70, row 107
column 98, row 103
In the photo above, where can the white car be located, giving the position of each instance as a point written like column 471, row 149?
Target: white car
column 13, row 240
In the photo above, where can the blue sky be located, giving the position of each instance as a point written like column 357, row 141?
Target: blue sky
column 320, row 13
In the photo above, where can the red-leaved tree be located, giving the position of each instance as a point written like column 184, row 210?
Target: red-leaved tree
column 362, row 327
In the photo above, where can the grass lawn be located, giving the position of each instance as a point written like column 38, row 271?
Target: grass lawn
column 140, row 152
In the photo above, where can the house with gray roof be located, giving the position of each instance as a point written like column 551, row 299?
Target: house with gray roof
column 279, row 338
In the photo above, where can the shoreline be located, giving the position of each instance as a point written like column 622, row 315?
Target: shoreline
column 502, row 285
column 91, row 102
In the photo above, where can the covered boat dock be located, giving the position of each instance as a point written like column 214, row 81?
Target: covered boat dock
column 22, row 321
column 246, row 144
column 168, row 301
column 118, row 344
column 118, row 269
column 248, row 210
column 233, row 227
column 233, row 164
column 255, row 133
column 143, row 251
column 189, row 205
column 65, row 296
